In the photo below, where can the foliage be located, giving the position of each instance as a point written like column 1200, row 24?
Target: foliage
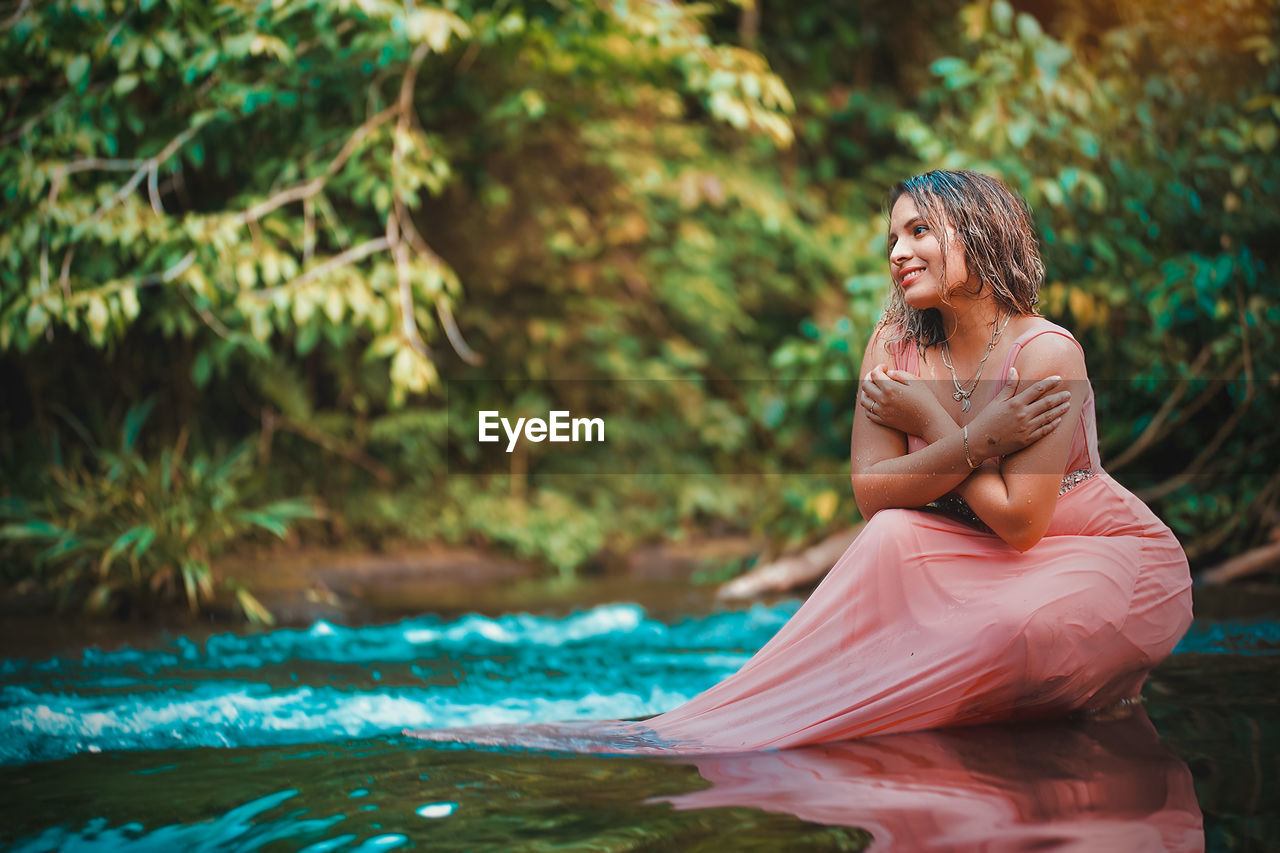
column 336, row 229
column 1150, row 158
column 132, row 183
column 117, row 528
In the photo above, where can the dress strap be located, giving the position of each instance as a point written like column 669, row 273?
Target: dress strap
column 1021, row 341
column 1087, row 430
column 905, row 356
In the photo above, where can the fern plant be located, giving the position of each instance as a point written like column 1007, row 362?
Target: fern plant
column 121, row 527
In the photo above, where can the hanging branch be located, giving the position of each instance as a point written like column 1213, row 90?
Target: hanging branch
column 64, row 278
column 150, row 280
column 1174, row 483
column 447, row 322
column 1157, row 429
column 308, row 189
column 350, row 256
column 210, row 319
column 454, row 334
column 401, row 223
column 17, row 16
column 399, row 244
column 1260, row 559
column 350, row 452
column 153, row 189
column 141, row 166
column 1217, row 536
column 1228, row 427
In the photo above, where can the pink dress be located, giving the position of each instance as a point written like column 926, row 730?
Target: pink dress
column 928, row 620
column 1097, row 787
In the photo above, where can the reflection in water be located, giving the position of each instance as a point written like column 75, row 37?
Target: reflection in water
column 1095, row 786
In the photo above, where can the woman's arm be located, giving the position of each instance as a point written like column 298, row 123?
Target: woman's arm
column 884, row 475
column 891, row 406
column 1017, row 498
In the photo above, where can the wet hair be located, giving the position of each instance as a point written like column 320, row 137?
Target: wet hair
column 993, row 225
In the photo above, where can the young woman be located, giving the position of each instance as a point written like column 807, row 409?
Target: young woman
column 1002, row 574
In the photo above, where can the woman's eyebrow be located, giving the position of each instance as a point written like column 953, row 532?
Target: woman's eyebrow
column 893, row 238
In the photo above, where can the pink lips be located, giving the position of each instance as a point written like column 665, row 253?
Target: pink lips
column 902, row 274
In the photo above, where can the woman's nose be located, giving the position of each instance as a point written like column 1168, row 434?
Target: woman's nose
column 899, row 253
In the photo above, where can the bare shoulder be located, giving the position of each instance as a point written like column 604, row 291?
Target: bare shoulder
column 876, row 352
column 1054, row 352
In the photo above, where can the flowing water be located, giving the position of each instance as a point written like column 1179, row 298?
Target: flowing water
column 292, row 739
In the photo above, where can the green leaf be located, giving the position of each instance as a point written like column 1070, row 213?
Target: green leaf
column 125, row 84
column 253, row 609
column 290, row 509
column 100, row 599
column 123, row 541
column 1028, row 27
column 78, row 72
column 195, row 577
column 13, row 507
column 133, row 421
column 35, row 529
column 1020, row 131
column 1266, row 136
column 66, row 545
column 1002, row 16
column 201, row 369
column 265, row 521
column 144, row 540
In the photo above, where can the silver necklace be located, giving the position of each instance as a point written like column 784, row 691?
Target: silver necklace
column 962, row 396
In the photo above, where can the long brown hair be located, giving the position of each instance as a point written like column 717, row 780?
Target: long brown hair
column 993, row 225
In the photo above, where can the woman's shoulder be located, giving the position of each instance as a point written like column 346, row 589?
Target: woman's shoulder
column 1044, row 344
column 888, row 338
column 1036, row 326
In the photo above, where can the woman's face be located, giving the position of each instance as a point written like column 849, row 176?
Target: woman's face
column 915, row 257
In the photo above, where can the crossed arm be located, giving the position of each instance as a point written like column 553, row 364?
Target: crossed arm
column 1015, row 494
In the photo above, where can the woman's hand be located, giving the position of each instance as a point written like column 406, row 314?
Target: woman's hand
column 901, row 401
column 1017, row 419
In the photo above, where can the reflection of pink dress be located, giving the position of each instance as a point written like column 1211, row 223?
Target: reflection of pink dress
column 1097, row 787
column 928, row 621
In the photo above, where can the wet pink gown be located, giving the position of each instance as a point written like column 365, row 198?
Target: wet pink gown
column 1093, row 787
column 928, row 621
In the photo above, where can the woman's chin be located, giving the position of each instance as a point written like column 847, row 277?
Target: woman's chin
column 921, row 300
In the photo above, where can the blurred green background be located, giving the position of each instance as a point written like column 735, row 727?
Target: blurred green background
column 247, row 250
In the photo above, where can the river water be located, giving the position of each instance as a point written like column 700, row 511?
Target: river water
column 292, row 739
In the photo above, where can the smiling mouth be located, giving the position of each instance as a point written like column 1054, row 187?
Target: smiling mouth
column 912, row 274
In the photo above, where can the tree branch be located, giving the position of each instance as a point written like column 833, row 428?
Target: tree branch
column 17, row 16
column 1218, row 535
column 350, row 256
column 400, row 213
column 144, row 166
column 443, row 310
column 791, row 571
column 64, row 279
column 334, row 445
column 307, row 189
column 454, row 334
column 1177, row 482
column 1155, row 430
column 1256, row 560
column 210, row 319
column 401, row 225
